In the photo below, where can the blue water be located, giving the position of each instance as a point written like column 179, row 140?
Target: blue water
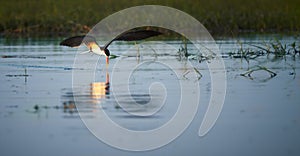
column 38, row 116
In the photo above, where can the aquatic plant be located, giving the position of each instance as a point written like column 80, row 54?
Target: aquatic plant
column 245, row 53
column 274, row 47
column 279, row 49
column 199, row 75
column 294, row 50
column 258, row 68
column 183, row 50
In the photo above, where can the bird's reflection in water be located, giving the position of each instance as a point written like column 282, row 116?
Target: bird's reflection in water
column 100, row 90
column 96, row 92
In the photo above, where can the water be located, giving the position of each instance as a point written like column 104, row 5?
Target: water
column 38, row 115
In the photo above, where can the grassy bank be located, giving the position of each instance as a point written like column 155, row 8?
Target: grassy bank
column 29, row 18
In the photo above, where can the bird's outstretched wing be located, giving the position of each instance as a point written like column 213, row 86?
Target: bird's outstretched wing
column 134, row 35
column 137, row 35
column 90, row 41
column 78, row 40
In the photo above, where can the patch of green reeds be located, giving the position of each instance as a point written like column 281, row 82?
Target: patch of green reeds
column 274, row 47
column 279, row 49
column 61, row 18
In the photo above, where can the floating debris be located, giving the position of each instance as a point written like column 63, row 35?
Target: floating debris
column 42, row 67
column 23, row 56
column 36, row 107
column 17, row 75
column 20, row 75
column 292, row 73
column 12, row 106
column 67, row 107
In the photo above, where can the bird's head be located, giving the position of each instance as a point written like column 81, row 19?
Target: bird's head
column 106, row 52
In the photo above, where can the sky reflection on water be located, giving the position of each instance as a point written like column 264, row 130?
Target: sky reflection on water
column 260, row 115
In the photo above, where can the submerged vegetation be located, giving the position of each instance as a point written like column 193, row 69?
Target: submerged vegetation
column 258, row 68
column 279, row 49
column 276, row 48
column 29, row 18
column 273, row 50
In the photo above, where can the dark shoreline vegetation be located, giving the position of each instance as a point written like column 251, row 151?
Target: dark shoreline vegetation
column 47, row 18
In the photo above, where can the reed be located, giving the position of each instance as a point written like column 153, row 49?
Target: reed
column 274, row 48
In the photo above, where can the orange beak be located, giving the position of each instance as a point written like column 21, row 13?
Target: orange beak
column 107, row 60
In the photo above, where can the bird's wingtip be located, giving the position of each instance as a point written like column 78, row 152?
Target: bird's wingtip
column 64, row 44
column 74, row 41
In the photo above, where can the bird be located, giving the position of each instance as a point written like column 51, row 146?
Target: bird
column 91, row 43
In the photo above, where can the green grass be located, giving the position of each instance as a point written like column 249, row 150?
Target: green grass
column 29, row 18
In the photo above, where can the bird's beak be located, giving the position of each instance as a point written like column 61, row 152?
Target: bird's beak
column 107, row 60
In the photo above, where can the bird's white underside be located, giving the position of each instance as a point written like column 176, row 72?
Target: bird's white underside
column 94, row 48
column 98, row 51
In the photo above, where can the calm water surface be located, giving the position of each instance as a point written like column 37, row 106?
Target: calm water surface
column 38, row 115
